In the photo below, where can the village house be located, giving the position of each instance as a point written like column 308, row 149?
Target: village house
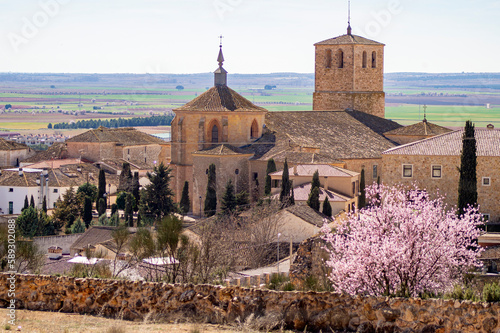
column 13, row 153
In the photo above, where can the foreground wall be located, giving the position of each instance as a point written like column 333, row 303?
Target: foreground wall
column 318, row 311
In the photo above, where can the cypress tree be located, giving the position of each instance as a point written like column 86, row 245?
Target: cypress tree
column 292, row 197
column 32, row 201
column 362, row 197
column 211, row 195
column 135, row 190
column 101, row 209
column 467, row 186
column 26, row 203
column 44, row 204
column 129, row 209
column 271, row 167
column 114, row 209
column 228, row 201
column 327, row 208
column 285, row 186
column 101, row 188
column 87, row 211
column 125, row 181
column 315, row 180
column 313, row 200
column 185, row 203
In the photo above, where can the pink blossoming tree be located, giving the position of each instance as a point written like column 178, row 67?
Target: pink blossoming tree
column 401, row 244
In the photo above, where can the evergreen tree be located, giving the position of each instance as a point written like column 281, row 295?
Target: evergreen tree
column 87, row 190
column 286, row 186
column 315, row 180
column 362, row 185
column 255, row 191
column 135, row 190
column 26, row 203
column 44, row 204
column 125, row 182
column 228, row 201
column 87, row 211
column 292, row 197
column 211, row 195
column 101, row 209
column 114, row 209
column 156, row 197
column 313, row 200
column 327, row 208
column 77, row 227
column 271, row 167
column 129, row 209
column 27, row 222
column 467, row 186
column 32, row 201
column 242, row 200
column 120, row 200
column 185, row 203
column 101, row 188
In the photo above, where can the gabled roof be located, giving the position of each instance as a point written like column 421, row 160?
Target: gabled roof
column 126, row 136
column 348, row 39
column 301, row 193
column 423, row 128
column 93, row 236
column 338, row 135
column 56, row 151
column 324, row 170
column 220, row 98
column 308, row 214
column 450, row 144
column 11, row 145
column 223, row 149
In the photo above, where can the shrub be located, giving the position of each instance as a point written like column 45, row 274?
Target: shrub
column 491, row 292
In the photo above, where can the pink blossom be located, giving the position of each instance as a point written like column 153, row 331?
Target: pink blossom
column 402, row 244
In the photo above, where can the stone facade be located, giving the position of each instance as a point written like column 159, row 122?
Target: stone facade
column 263, row 308
column 350, row 75
column 446, row 185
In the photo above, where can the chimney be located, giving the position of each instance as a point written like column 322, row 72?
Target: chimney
column 490, row 126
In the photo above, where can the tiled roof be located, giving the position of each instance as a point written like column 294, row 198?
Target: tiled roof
column 307, row 214
column 220, row 98
column 93, row 236
column 220, row 150
column 11, row 145
column 324, row 170
column 338, row 135
column 450, row 144
column 126, row 136
column 301, row 193
column 65, row 176
column 56, row 151
column 423, row 128
column 348, row 39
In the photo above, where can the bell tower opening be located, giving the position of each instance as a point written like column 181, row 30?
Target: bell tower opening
column 254, row 130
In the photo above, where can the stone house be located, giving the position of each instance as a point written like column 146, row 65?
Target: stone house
column 433, row 163
column 12, row 153
column 126, row 144
column 340, row 185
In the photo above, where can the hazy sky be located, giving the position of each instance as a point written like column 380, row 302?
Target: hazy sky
column 260, row 36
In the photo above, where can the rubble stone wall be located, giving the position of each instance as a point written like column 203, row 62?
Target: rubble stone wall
column 134, row 300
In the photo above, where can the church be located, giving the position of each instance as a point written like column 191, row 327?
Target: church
column 345, row 128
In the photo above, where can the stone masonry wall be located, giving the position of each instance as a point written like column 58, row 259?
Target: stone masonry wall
column 294, row 310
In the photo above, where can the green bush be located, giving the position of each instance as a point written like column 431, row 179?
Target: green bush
column 280, row 282
column 491, row 292
column 463, row 293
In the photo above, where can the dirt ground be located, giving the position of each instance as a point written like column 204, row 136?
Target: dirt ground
column 56, row 322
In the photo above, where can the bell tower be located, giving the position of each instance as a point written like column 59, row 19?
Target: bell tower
column 349, row 74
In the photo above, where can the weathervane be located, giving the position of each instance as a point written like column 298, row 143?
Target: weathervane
column 221, row 40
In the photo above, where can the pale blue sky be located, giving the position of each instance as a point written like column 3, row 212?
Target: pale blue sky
column 260, row 36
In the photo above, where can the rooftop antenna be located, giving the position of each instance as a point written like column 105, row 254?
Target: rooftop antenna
column 349, row 30
column 425, row 111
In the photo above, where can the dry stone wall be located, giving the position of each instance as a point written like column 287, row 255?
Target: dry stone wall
column 133, row 300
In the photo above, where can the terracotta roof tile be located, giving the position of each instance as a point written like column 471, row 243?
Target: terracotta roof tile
column 220, row 98
column 56, row 151
column 422, row 128
column 11, row 145
column 308, row 214
column 450, row 144
column 223, row 149
column 301, row 193
column 324, row 170
column 127, row 136
column 348, row 39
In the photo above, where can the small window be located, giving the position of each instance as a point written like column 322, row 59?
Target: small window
column 375, row 171
column 206, row 171
column 328, row 59
column 11, row 189
column 255, row 175
column 436, row 171
column 407, row 170
column 254, row 130
column 55, row 190
column 365, row 59
column 340, row 59
column 11, row 207
column 486, row 181
column 374, row 59
column 215, row 134
column 237, row 171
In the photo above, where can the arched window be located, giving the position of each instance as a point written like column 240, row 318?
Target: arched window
column 254, row 130
column 328, row 58
column 340, row 59
column 374, row 59
column 365, row 59
column 215, row 134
